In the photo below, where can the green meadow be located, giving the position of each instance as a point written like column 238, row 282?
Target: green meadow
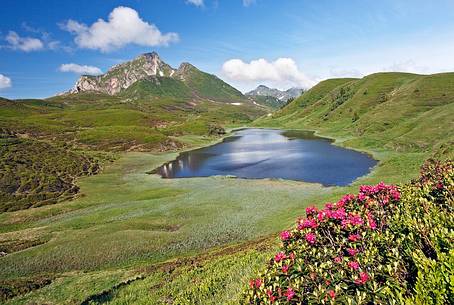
column 127, row 224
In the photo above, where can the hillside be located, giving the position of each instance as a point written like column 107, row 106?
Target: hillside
column 397, row 112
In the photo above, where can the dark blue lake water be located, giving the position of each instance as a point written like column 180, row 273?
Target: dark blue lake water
column 270, row 153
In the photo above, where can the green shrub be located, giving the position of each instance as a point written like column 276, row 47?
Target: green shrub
column 386, row 245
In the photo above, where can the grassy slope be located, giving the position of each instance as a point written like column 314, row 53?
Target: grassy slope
column 268, row 101
column 210, row 86
column 113, row 122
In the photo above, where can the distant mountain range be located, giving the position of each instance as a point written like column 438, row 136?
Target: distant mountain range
column 273, row 97
column 148, row 75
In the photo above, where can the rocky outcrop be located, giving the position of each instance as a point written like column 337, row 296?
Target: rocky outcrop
column 276, row 93
column 122, row 76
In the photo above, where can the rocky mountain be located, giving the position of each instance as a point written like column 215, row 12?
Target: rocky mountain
column 148, row 75
column 273, row 97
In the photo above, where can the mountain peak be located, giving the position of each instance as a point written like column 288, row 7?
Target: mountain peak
column 186, row 66
column 272, row 96
column 122, row 76
column 149, row 56
column 154, row 77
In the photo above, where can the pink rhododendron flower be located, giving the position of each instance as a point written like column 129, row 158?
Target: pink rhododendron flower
column 371, row 221
column 321, row 215
column 338, row 259
column 332, row 294
column 347, row 198
column 352, row 219
column 363, row 278
column 255, row 283
column 271, row 296
column 311, row 238
column 355, row 219
column 258, row 283
column 308, row 223
column 396, row 195
column 292, row 256
column 354, row 265
column 251, row 283
column 354, row 237
column 311, row 210
column 285, row 235
column 285, row 268
column 338, row 214
column 289, row 294
column 352, row 252
column 279, row 256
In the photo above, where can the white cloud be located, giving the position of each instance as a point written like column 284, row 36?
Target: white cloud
column 26, row 44
column 5, row 82
column 282, row 72
column 80, row 69
column 195, row 2
column 123, row 27
column 248, row 2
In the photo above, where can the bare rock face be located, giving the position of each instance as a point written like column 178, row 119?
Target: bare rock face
column 276, row 93
column 85, row 83
column 122, row 76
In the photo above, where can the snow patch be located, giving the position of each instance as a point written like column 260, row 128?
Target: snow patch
column 236, row 104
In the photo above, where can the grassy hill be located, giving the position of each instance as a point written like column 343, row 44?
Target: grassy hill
column 400, row 118
column 396, row 111
column 207, row 85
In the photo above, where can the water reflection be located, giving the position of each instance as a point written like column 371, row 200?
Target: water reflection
column 268, row 153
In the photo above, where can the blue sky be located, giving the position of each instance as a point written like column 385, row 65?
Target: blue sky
column 278, row 43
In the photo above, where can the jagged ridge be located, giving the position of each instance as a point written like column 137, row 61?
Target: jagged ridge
column 148, row 68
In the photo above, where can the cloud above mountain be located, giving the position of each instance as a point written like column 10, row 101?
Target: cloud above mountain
column 281, row 73
column 5, row 82
column 80, row 69
column 124, row 26
column 26, row 44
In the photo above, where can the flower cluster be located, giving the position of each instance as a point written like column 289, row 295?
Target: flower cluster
column 348, row 250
